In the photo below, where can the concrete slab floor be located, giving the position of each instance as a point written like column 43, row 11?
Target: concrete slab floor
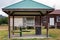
column 28, row 36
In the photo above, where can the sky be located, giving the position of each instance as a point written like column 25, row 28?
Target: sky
column 52, row 3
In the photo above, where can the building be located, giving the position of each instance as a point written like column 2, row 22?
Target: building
column 27, row 13
column 53, row 19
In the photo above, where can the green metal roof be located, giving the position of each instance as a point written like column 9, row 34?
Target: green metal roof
column 28, row 4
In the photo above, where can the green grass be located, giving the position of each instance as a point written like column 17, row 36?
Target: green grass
column 3, row 34
column 54, row 33
column 30, row 39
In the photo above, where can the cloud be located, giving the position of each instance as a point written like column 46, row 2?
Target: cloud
column 53, row 3
column 4, row 3
column 2, row 13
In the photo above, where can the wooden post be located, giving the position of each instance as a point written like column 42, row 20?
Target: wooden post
column 20, row 32
column 55, row 25
column 40, row 25
column 9, row 25
column 47, row 27
column 13, row 24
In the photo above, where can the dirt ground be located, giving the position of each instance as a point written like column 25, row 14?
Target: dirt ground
column 3, row 27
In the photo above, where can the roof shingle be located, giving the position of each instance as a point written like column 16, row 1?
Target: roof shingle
column 55, row 12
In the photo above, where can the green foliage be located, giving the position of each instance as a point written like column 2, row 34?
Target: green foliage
column 54, row 33
column 0, row 21
column 30, row 39
column 4, row 20
column 3, row 34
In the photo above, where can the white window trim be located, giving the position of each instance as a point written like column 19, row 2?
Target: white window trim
column 58, row 18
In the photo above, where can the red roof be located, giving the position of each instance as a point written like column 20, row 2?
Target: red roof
column 55, row 12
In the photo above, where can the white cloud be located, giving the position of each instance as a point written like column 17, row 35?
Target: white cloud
column 53, row 3
column 2, row 13
column 4, row 3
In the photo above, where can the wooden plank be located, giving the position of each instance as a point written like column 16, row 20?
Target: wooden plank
column 9, row 26
column 26, row 15
column 13, row 24
column 47, row 26
column 20, row 32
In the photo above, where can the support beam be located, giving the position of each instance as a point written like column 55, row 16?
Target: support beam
column 9, row 26
column 11, row 12
column 47, row 28
column 20, row 32
column 13, row 24
column 26, row 15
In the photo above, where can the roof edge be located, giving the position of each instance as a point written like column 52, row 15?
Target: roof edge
column 24, row 9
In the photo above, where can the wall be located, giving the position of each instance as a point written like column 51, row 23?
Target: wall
column 18, row 21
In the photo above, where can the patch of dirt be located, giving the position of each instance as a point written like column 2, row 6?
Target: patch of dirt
column 3, row 27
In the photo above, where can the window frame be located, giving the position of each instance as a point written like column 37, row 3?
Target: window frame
column 58, row 18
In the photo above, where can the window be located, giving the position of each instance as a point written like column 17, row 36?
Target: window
column 30, row 21
column 58, row 18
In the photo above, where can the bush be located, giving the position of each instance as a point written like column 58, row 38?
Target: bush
column 4, row 20
column 30, row 27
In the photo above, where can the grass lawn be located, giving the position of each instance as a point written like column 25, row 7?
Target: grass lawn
column 54, row 33
column 3, row 34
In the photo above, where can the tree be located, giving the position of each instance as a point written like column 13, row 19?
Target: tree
column 4, row 20
column 0, row 21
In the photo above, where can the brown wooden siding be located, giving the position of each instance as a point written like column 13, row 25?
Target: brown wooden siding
column 37, row 20
column 55, row 19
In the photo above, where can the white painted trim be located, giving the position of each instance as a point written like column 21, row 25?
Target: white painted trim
column 51, row 21
column 57, row 19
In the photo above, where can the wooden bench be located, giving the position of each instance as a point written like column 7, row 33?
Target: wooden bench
column 21, row 31
column 16, row 31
